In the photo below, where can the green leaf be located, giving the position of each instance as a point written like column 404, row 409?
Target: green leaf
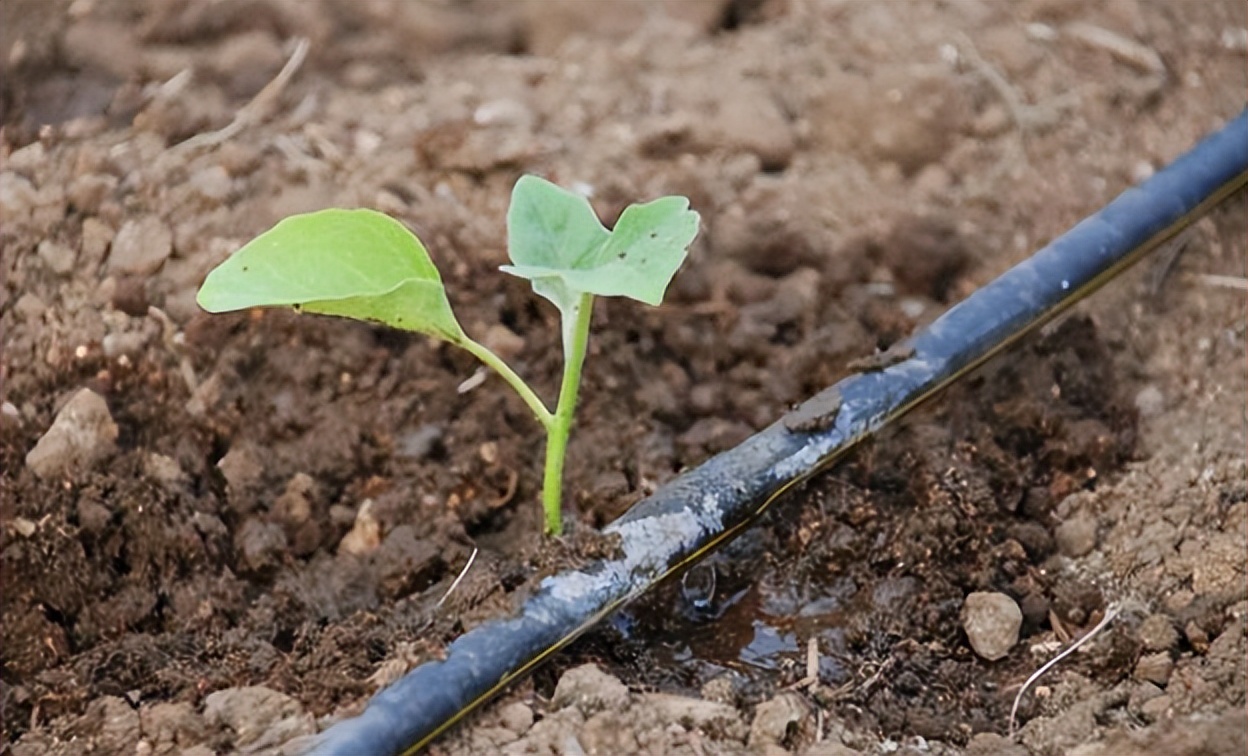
column 354, row 263
column 550, row 227
column 556, row 241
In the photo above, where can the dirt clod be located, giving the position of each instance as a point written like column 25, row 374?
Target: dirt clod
column 589, row 690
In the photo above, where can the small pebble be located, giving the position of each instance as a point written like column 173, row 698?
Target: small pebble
column 82, row 434
column 27, row 160
column 516, row 716
column 163, row 469
column 1156, row 708
column 1142, row 171
column 141, row 246
column 502, row 341
column 96, row 236
column 365, row 534
column 240, row 469
column 1197, row 637
column 1158, row 633
column 591, row 690
column 212, row 183
column 775, row 719
column 1143, row 693
column 1076, row 536
column 58, row 257
column 1154, row 668
column 129, row 343
column 991, row 622
column 257, row 717
column 1179, row 600
column 1150, row 401
column 30, row 307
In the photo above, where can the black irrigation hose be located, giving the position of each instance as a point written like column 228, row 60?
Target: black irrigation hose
column 704, row 507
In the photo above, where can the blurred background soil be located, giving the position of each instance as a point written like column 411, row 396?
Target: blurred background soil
column 221, row 533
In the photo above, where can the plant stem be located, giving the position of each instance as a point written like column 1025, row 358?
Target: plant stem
column 575, row 338
column 503, row 369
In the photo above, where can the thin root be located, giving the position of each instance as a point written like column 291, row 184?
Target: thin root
column 1225, row 282
column 458, row 578
column 1109, row 616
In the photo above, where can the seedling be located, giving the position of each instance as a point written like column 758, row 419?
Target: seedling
column 364, row 265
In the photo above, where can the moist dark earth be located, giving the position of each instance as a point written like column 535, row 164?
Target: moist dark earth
column 223, row 533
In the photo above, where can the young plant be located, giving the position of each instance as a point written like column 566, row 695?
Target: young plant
column 364, row 265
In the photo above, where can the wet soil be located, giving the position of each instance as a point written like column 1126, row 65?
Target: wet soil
column 257, row 531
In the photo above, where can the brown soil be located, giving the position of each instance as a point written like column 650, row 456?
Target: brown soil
column 265, row 540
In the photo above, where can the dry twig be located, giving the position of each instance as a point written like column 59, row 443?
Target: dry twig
column 259, row 107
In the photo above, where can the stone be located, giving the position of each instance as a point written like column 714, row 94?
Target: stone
column 127, row 343
column 1076, row 536
column 17, row 196
column 259, row 717
column 30, row 307
column 113, row 724
column 167, row 725
column 96, row 236
column 82, row 434
column 590, row 690
column 1158, row 633
column 164, row 470
column 240, row 469
column 503, row 341
column 722, row 719
column 516, row 716
column 58, row 257
column 89, row 191
column 991, row 622
column 1220, row 567
column 1150, row 401
column 1156, row 708
column 1142, row 694
column 212, row 183
column 779, row 719
column 141, row 246
column 365, row 534
column 1154, row 668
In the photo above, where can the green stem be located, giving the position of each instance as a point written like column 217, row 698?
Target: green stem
column 503, row 369
column 575, row 338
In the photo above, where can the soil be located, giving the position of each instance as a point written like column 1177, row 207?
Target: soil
column 252, row 531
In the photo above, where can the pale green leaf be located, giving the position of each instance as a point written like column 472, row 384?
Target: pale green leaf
column 636, row 260
column 550, row 227
column 354, row 263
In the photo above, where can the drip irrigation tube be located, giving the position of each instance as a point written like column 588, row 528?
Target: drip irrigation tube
column 704, row 507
